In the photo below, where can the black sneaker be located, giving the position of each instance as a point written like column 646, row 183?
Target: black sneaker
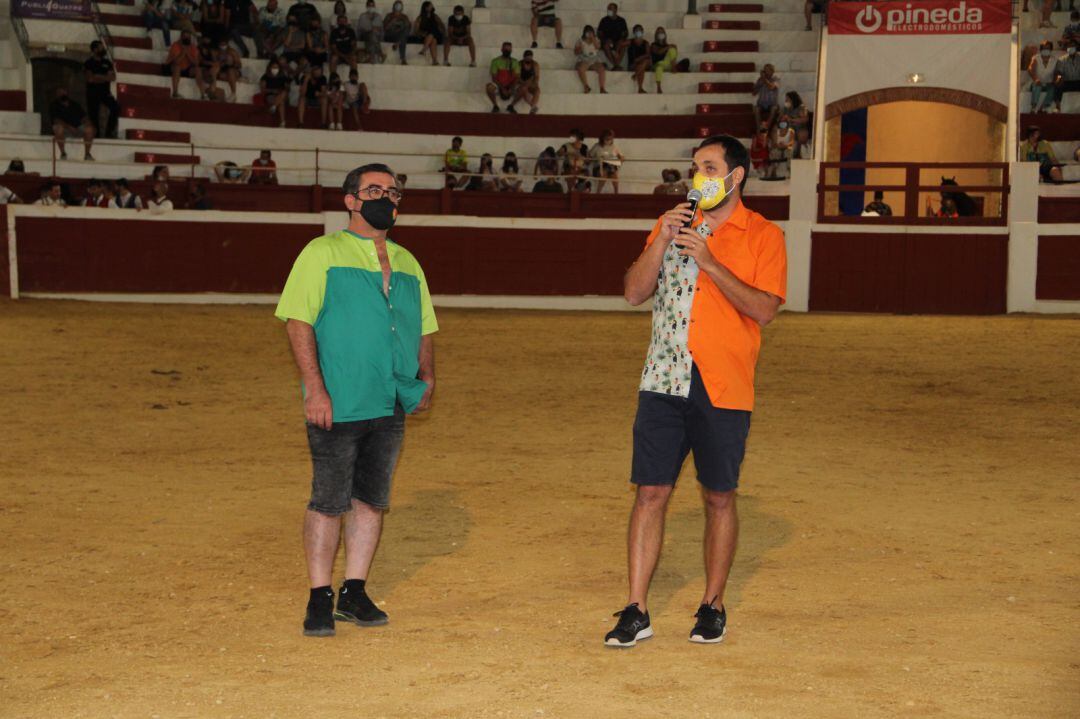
column 356, row 606
column 633, row 626
column 319, row 621
column 711, row 625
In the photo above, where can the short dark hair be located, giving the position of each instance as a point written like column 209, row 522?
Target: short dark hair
column 459, row 7
column 1032, row 129
column 95, row 45
column 121, row 182
column 352, row 181
column 879, row 195
column 735, row 154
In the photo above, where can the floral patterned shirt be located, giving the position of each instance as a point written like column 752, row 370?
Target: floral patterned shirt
column 668, row 363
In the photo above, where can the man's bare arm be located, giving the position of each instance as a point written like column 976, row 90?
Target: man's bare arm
column 317, row 407
column 639, row 284
column 426, row 358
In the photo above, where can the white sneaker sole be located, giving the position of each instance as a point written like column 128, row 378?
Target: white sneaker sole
column 698, row 639
column 644, row 634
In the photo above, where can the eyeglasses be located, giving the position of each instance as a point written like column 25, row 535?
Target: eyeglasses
column 375, row 192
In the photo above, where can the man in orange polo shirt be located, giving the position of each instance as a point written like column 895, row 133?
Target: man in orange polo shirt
column 716, row 284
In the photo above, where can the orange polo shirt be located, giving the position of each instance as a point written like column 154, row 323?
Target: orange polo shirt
column 723, row 342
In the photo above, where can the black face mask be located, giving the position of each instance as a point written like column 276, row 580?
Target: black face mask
column 185, row 40
column 380, row 213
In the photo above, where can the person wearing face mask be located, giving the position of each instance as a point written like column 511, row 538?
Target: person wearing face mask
column 396, row 30
column 670, row 184
column 335, row 102
column 767, row 92
column 215, row 21
column 509, row 175
column 638, row 59
column 370, row 29
column 663, row 55
column 1066, row 75
column 795, row 112
column 183, row 61
column 159, row 203
column 313, row 93
column 716, row 277
column 359, row 318
column 318, row 44
column 304, row 12
column 70, row 120
column 505, row 74
column 274, row 86
column 430, row 28
column 243, row 18
column 607, row 159
column 529, row 84
column 99, row 73
column 269, row 29
column 357, row 98
column 295, row 43
column 459, row 33
column 1042, row 70
column 573, row 152
column 343, row 47
column 613, row 35
column 209, row 69
column 781, row 143
column 228, row 63
column 1036, row 149
column 587, row 57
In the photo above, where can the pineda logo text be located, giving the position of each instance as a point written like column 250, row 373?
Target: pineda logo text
column 913, row 18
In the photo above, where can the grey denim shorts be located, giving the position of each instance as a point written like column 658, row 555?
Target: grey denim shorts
column 354, row 460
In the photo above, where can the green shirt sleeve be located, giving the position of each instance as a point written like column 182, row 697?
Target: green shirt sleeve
column 428, row 323
column 302, row 298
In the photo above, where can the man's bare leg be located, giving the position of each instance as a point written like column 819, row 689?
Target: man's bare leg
column 363, row 527
column 645, row 538
column 321, row 534
column 721, row 538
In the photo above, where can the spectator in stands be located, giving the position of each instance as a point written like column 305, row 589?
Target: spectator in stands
column 948, row 209
column 1042, row 71
column 459, row 33
column 396, row 30
column 672, row 183
column 1066, row 75
column 543, row 15
column 8, row 197
column 160, row 173
column 578, row 176
column 804, row 148
column 607, row 159
column 613, row 35
column 357, row 98
column 318, row 44
column 878, row 206
column 100, row 74
column 183, row 61
column 274, row 86
column 795, row 111
column 159, row 203
column 313, row 94
column 509, row 174
column 227, row 172
column 270, row 29
column 263, row 170
column 781, row 145
column 17, row 167
column 304, row 12
column 505, row 78
column 429, row 27
column 455, row 160
column 1036, row 149
column 402, row 179
column 243, row 18
column 573, row 151
column 1072, row 30
column 339, row 11
column 370, row 31
column 197, row 199
column 183, row 14
column 547, row 162
column 294, row 44
column 228, row 63
column 638, row 59
column 125, row 199
column 335, row 102
column 759, row 150
column 69, row 119
column 343, row 48
column 209, row 69
column 528, row 84
column 485, row 179
column 52, row 195
column 1047, row 9
column 156, row 15
column 298, row 75
column 587, row 56
column 95, row 194
column 548, row 183
column 767, row 91
column 108, row 191
column 811, row 7
column 215, row 21
column 663, row 55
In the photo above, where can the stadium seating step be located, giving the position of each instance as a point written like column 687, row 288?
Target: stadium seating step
column 115, row 18
column 710, row 87
column 727, row 67
column 1059, row 127
column 137, row 43
column 724, row 108
column 731, row 25
column 726, row 7
column 161, row 158
column 12, row 101
column 737, row 119
column 127, row 89
column 137, row 67
column 157, row 135
column 730, row 46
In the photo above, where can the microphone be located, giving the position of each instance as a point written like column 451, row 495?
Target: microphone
column 693, row 197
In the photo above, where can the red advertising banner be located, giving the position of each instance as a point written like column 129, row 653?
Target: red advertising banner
column 925, row 17
column 52, row 9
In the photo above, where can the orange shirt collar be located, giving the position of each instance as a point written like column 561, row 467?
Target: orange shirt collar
column 740, row 217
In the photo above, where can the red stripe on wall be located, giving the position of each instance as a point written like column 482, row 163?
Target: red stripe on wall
column 908, row 274
column 1057, row 273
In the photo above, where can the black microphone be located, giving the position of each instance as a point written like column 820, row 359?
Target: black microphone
column 693, row 197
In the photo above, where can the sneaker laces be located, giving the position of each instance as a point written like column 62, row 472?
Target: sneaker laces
column 708, row 611
column 628, row 615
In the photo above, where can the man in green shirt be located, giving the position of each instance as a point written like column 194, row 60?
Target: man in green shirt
column 505, row 78
column 359, row 318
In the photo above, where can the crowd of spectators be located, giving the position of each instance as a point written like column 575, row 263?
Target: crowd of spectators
column 783, row 128
column 574, row 166
column 1053, row 72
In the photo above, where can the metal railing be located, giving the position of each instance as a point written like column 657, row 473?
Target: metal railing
column 102, row 29
column 20, row 33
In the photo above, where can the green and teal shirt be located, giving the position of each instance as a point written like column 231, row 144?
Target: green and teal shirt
column 368, row 342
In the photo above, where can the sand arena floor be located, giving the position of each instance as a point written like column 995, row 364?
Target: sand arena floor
column 910, row 525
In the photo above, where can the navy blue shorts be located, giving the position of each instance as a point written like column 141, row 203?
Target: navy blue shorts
column 667, row 428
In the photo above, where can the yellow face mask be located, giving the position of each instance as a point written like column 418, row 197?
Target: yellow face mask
column 713, row 190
